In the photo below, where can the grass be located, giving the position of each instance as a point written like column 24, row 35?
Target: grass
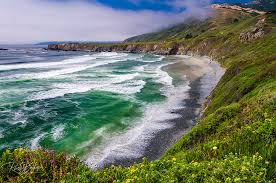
column 235, row 140
column 23, row 165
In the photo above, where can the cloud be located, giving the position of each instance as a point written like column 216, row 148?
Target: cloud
column 197, row 8
column 36, row 20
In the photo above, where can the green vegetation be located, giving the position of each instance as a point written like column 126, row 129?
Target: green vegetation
column 23, row 165
column 235, row 141
column 192, row 28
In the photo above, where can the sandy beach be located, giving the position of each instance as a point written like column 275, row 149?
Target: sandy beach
column 203, row 75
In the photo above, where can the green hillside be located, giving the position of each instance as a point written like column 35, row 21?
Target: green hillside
column 193, row 28
column 234, row 141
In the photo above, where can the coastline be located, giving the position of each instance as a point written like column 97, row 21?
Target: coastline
column 203, row 75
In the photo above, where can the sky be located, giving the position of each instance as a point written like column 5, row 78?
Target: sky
column 32, row 21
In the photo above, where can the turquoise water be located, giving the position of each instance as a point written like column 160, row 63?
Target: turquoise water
column 83, row 103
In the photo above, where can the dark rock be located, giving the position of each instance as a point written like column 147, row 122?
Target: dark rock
column 159, row 49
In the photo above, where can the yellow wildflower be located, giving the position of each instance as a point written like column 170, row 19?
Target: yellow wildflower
column 237, row 180
column 129, row 181
column 244, row 169
column 132, row 170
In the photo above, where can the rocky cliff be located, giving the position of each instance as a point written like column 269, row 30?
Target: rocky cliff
column 202, row 48
column 157, row 48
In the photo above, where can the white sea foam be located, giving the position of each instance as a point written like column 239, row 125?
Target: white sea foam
column 64, row 70
column 106, row 54
column 152, row 60
column 125, row 88
column 111, row 55
column 60, row 90
column 19, row 117
column 1, row 133
column 161, row 57
column 164, row 77
column 121, row 84
column 35, row 141
column 52, row 73
column 58, row 132
column 132, row 143
column 123, row 77
column 75, row 60
column 140, row 68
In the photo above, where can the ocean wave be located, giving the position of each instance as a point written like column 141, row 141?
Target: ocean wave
column 96, row 72
column 132, row 143
column 110, row 55
column 75, row 60
column 106, row 54
column 121, row 84
column 125, row 88
column 164, row 77
column 34, row 143
column 65, row 70
column 156, row 58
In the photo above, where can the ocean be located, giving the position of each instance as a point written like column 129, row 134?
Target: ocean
column 91, row 105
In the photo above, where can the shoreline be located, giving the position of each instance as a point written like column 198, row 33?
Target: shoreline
column 203, row 75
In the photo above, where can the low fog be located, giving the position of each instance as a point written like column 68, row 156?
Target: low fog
column 32, row 21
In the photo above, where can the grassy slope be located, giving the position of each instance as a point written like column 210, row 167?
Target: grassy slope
column 192, row 29
column 235, row 140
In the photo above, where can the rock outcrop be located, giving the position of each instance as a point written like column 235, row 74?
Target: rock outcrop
column 162, row 48
column 254, row 32
column 130, row 48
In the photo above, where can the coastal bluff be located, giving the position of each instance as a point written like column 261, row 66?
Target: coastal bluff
column 118, row 47
column 162, row 48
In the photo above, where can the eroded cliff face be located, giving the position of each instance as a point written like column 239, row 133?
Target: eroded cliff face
column 131, row 48
column 159, row 49
column 199, row 49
